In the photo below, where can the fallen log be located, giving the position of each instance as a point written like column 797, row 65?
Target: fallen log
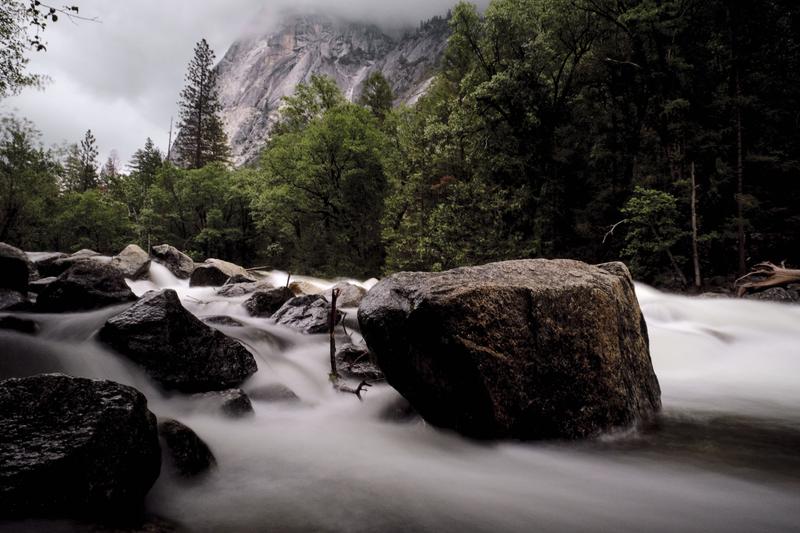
column 766, row 275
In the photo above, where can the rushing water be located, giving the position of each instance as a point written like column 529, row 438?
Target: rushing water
column 724, row 456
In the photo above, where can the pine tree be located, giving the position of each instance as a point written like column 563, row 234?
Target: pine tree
column 146, row 162
column 109, row 174
column 201, row 139
column 80, row 167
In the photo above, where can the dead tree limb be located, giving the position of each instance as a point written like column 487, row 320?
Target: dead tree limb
column 331, row 331
column 765, row 275
column 611, row 231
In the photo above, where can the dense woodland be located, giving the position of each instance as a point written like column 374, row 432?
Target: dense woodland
column 664, row 133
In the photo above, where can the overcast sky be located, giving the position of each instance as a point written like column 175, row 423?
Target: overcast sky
column 121, row 77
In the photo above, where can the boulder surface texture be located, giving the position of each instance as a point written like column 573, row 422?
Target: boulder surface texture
column 75, row 447
column 528, row 349
column 84, row 286
column 175, row 347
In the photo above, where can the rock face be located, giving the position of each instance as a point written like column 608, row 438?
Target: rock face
column 132, row 261
column 266, row 303
column 15, row 268
column 187, row 452
column 177, row 262
column 349, row 295
column 85, row 285
column 75, row 447
column 176, row 348
column 527, row 349
column 216, row 272
column 308, row 314
column 257, row 71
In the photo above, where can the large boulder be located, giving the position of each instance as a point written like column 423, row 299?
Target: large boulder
column 85, row 285
column 175, row 347
column 240, row 289
column 15, row 269
column 526, row 349
column 266, row 303
column 356, row 362
column 186, row 452
column 216, row 272
column 177, row 262
column 309, row 314
column 45, row 263
column 349, row 295
column 14, row 301
column 75, row 447
column 132, row 261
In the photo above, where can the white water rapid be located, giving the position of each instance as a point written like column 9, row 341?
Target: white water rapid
column 725, row 455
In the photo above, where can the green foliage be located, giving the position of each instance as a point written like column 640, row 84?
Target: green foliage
column 80, row 166
column 91, row 219
column 377, row 95
column 653, row 229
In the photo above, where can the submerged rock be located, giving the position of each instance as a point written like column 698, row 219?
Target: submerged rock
column 266, row 303
column 223, row 320
column 15, row 269
column 84, row 286
column 21, row 325
column 233, row 403
column 75, row 447
column 308, row 314
column 187, row 452
column 177, row 262
column 349, row 295
column 274, row 392
column 132, row 261
column 216, row 272
column 527, row 349
column 175, row 347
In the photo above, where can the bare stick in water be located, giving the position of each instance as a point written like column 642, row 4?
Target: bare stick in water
column 331, row 330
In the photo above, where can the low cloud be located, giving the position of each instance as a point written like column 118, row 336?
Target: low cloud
column 121, row 76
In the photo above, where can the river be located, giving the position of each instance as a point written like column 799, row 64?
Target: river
column 724, row 455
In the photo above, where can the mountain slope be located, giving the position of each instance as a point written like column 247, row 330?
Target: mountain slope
column 257, row 72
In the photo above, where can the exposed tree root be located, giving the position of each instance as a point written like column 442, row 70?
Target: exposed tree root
column 765, row 275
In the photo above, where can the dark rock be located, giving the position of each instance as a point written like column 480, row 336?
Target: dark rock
column 355, row 361
column 773, row 294
column 177, row 262
column 233, row 403
column 85, row 285
column 266, row 303
column 14, row 301
column 75, row 447
column 45, row 263
column 240, row 289
column 175, row 347
column 399, row 411
column 526, row 349
column 15, row 269
column 187, row 452
column 132, row 261
column 38, row 286
column 274, row 392
column 215, row 273
column 22, row 325
column 349, row 295
column 222, row 320
column 308, row 314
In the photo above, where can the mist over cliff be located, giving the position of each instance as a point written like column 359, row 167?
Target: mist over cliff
column 259, row 69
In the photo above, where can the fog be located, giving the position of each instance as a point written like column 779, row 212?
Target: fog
column 120, row 76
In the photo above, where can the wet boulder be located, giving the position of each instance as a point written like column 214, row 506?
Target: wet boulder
column 174, row 347
column 177, row 262
column 75, row 447
column 240, row 289
column 233, row 403
column 186, row 453
column 45, row 263
column 84, row 286
column 303, row 288
column 527, row 349
column 309, row 314
column 349, row 295
column 356, row 362
column 15, row 269
column 38, row 285
column 216, row 272
column 265, row 303
column 132, row 261
column 222, row 320
column 774, row 294
column 14, row 301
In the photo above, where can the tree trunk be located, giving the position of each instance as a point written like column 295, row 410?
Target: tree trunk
column 698, row 281
column 740, row 181
column 331, row 329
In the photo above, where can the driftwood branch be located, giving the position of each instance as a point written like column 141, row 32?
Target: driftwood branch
column 331, row 332
column 765, row 275
column 611, row 231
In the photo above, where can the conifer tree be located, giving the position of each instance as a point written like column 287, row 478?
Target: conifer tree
column 146, row 162
column 201, row 139
column 80, row 168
